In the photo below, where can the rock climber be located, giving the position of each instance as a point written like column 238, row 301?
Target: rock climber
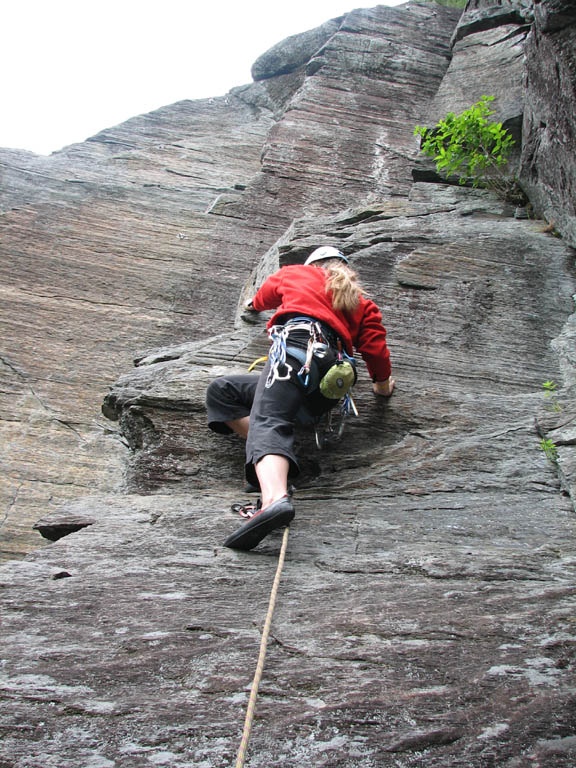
column 322, row 315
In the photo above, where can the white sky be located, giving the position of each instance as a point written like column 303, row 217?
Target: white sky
column 72, row 67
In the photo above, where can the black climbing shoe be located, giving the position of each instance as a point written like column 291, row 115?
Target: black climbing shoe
column 277, row 515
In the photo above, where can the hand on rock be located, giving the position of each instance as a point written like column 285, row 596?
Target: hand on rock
column 249, row 314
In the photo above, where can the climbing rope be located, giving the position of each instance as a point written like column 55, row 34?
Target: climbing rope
column 257, row 362
column 241, row 757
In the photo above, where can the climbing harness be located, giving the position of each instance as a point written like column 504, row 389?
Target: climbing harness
column 241, row 756
column 335, row 384
column 277, row 355
column 336, row 381
column 279, row 336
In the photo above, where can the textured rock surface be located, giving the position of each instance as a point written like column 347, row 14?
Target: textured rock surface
column 488, row 59
column 485, row 61
column 549, row 154
column 347, row 132
column 425, row 615
column 293, row 53
column 436, row 537
column 104, row 250
column 123, row 243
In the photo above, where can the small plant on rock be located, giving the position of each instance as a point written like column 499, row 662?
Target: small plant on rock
column 473, row 148
column 550, row 388
column 550, row 449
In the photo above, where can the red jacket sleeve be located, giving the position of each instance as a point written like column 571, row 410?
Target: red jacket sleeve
column 371, row 343
column 267, row 296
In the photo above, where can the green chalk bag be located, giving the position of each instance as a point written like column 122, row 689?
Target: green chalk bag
column 339, row 379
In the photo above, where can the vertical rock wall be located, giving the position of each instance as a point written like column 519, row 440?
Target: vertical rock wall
column 425, row 615
column 346, row 134
column 548, row 159
column 487, row 58
column 141, row 236
column 106, row 249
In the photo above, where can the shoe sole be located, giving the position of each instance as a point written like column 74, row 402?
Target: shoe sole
column 251, row 534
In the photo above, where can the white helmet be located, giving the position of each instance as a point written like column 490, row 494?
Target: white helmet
column 325, row 252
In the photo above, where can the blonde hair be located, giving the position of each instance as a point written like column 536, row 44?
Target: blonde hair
column 343, row 284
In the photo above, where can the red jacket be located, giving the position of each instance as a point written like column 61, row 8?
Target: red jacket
column 302, row 289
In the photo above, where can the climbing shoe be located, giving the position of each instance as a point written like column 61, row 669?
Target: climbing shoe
column 261, row 523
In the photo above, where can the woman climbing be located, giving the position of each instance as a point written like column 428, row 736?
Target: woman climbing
column 321, row 316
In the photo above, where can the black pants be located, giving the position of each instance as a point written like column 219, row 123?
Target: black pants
column 274, row 412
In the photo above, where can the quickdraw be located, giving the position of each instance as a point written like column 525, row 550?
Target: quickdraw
column 277, row 355
column 279, row 335
column 316, row 346
column 246, row 510
column 330, row 427
column 335, row 385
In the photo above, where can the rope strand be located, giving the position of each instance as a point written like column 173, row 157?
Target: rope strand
column 241, row 757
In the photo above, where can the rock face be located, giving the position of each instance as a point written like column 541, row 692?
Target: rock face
column 487, row 58
column 141, row 236
column 425, row 613
column 548, row 163
column 105, row 251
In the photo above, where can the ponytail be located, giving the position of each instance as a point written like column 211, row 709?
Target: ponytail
column 342, row 283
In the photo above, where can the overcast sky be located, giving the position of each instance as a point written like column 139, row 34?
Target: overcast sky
column 72, row 68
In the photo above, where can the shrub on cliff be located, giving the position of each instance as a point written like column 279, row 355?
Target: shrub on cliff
column 473, row 148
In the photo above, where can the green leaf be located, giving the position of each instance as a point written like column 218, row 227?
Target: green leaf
column 469, row 144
